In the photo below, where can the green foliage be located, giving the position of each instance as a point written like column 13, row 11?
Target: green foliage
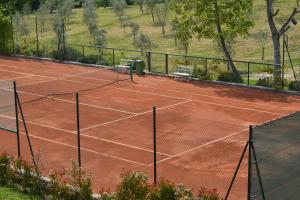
column 264, row 82
column 221, row 20
column 58, row 186
column 89, row 17
column 5, row 33
column 134, row 186
column 293, row 85
column 202, row 74
column 183, row 193
column 51, row 5
column 161, row 12
column 119, row 8
column 144, row 42
column 227, row 76
column 164, row 191
column 183, row 33
column 4, row 169
column 134, row 30
column 65, row 9
column 205, row 194
column 42, row 17
column 150, row 6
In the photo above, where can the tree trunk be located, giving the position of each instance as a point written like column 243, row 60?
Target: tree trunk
column 163, row 29
column 277, row 57
column 142, row 9
column 262, row 52
column 152, row 16
column 227, row 55
column 276, row 42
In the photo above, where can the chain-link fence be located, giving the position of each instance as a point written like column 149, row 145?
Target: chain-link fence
column 277, row 147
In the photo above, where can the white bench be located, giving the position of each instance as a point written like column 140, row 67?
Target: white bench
column 125, row 64
column 183, row 73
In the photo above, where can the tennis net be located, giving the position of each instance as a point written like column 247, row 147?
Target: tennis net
column 7, row 106
column 92, row 79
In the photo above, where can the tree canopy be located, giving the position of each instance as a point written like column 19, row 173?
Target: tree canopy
column 222, row 20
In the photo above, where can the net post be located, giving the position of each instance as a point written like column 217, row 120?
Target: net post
column 26, row 131
column 78, row 129
column 249, row 162
column 17, row 119
column 154, row 146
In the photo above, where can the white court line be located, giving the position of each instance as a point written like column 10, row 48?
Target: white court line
column 88, row 136
column 237, row 107
column 84, row 104
column 121, row 119
column 225, row 105
column 214, row 97
column 21, row 77
column 200, row 146
column 85, row 149
column 153, row 94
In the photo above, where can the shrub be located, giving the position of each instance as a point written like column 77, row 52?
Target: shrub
column 58, row 186
column 134, row 186
column 227, row 76
column 184, row 193
column 164, row 191
column 293, row 85
column 205, row 194
column 202, row 74
column 264, row 82
column 4, row 169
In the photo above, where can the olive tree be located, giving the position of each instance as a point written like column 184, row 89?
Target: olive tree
column 162, row 14
column 221, row 20
column 278, row 30
column 134, row 30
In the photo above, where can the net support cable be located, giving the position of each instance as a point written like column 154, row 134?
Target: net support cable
column 251, row 152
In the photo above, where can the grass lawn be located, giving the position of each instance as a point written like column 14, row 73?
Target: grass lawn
column 7, row 193
column 247, row 48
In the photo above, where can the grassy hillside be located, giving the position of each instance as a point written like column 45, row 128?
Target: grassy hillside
column 244, row 49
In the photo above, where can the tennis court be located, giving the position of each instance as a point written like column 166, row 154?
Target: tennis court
column 201, row 127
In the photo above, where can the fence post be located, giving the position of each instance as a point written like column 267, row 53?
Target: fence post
column 248, row 73
column 206, row 67
column 249, row 162
column 149, row 61
column 114, row 61
column 154, row 145
column 83, row 54
column 167, row 63
column 17, row 119
column 12, row 34
column 78, row 129
column 37, row 36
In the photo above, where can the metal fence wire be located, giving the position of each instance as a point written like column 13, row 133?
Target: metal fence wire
column 277, row 147
column 7, row 106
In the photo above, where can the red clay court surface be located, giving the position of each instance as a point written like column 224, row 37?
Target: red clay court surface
column 201, row 127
